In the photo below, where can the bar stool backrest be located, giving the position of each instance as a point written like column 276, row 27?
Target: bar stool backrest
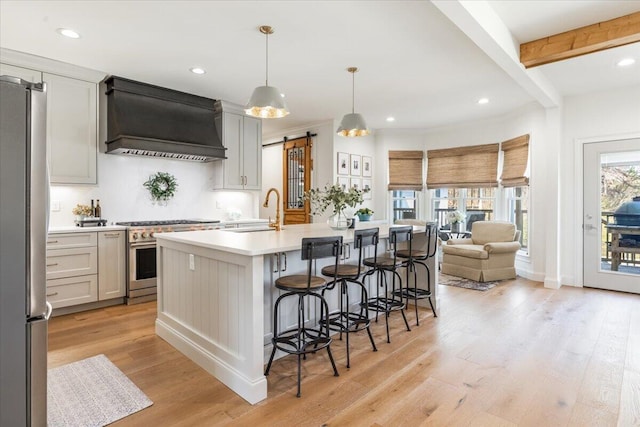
column 362, row 239
column 431, row 233
column 320, row 247
column 399, row 235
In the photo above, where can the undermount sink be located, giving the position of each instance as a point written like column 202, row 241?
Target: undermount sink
column 248, row 229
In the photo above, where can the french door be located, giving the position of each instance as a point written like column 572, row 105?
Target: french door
column 611, row 252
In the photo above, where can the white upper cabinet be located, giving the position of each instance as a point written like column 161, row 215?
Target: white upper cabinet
column 72, row 113
column 27, row 74
column 72, row 132
column 242, row 137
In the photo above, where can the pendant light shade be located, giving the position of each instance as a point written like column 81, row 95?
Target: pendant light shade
column 267, row 101
column 353, row 124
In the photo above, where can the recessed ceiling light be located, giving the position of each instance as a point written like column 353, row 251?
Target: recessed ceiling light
column 391, row 119
column 626, row 62
column 197, row 70
column 483, row 101
column 68, row 32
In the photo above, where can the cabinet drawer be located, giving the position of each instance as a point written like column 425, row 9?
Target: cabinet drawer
column 72, row 290
column 71, row 262
column 71, row 240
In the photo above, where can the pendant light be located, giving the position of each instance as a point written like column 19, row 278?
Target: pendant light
column 267, row 101
column 353, row 124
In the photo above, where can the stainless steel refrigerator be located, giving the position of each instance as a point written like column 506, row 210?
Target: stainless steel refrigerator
column 24, row 311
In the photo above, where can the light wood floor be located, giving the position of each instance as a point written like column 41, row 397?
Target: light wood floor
column 518, row 354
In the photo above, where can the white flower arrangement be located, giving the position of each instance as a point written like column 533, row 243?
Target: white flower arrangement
column 455, row 217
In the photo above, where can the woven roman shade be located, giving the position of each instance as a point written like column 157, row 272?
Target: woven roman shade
column 516, row 157
column 405, row 170
column 463, row 167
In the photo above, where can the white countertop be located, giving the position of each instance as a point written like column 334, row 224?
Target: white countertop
column 263, row 242
column 74, row 229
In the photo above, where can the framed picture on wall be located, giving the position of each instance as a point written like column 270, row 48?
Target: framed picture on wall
column 343, row 182
column 356, row 182
column 366, row 184
column 355, row 164
column 366, row 166
column 343, row 164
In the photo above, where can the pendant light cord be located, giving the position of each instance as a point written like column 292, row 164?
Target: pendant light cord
column 267, row 62
column 353, row 92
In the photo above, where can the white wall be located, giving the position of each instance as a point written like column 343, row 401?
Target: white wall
column 601, row 116
column 123, row 197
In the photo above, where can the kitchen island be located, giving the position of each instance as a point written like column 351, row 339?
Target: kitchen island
column 216, row 293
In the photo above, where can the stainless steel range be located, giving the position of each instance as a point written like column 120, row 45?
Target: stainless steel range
column 141, row 263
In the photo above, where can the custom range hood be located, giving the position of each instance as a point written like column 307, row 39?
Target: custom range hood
column 148, row 120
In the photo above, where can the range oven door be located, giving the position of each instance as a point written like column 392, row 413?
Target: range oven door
column 142, row 269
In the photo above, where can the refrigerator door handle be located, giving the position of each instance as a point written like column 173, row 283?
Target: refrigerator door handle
column 47, row 314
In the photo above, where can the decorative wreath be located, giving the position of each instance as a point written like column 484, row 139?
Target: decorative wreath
column 162, row 186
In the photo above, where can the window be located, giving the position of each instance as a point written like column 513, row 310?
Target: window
column 518, row 205
column 477, row 204
column 404, row 204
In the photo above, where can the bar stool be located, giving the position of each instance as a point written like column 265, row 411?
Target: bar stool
column 302, row 340
column 380, row 265
column 345, row 320
column 415, row 257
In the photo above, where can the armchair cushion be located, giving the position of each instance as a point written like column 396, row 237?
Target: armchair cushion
column 463, row 241
column 492, row 231
column 469, row 251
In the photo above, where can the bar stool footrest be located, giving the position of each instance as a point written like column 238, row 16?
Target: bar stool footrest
column 412, row 293
column 384, row 305
column 342, row 321
column 299, row 341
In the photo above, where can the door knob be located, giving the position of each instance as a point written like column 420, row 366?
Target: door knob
column 588, row 226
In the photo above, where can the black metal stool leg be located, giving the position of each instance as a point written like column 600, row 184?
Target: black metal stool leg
column 274, row 335
column 364, row 296
column 346, row 291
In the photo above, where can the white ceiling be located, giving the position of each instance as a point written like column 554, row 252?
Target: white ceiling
column 415, row 64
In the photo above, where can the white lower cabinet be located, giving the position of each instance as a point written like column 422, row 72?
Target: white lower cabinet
column 72, row 290
column 85, row 267
column 111, row 264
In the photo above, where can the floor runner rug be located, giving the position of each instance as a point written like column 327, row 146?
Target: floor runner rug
column 91, row 392
column 461, row 282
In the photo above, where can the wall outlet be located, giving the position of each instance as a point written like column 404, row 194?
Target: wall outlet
column 218, row 204
column 192, row 262
column 55, row 206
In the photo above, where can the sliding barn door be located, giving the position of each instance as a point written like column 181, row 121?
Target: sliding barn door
column 297, row 179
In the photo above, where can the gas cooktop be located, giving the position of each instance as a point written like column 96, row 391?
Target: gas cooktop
column 168, row 222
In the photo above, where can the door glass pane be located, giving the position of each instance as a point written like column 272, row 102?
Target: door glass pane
column 295, row 178
column 620, row 211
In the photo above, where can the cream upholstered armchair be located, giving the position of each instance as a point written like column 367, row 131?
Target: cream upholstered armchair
column 489, row 254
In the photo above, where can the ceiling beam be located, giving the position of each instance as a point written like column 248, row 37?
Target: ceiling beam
column 483, row 26
column 581, row 41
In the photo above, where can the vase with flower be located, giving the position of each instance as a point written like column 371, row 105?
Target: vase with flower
column 340, row 200
column 455, row 219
